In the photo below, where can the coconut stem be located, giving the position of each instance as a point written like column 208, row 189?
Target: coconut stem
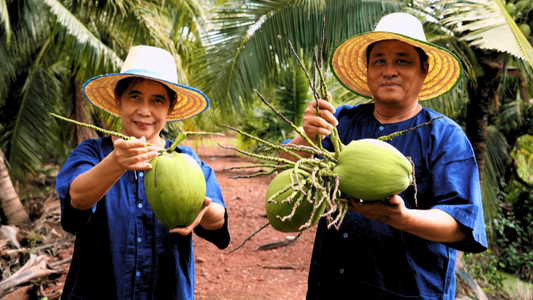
column 292, row 242
column 248, row 238
column 269, row 158
column 184, row 135
column 272, row 146
column 396, row 134
column 108, row 132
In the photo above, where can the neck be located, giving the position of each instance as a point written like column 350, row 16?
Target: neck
column 394, row 115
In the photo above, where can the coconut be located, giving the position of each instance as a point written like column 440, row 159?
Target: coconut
column 175, row 188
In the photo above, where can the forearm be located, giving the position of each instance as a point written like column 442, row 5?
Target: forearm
column 213, row 218
column 433, row 225
column 88, row 188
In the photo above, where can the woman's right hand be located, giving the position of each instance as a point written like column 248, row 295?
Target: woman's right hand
column 134, row 155
column 322, row 125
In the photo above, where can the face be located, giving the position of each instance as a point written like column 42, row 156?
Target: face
column 144, row 107
column 394, row 73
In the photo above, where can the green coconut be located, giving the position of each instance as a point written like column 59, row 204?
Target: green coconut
column 280, row 209
column 372, row 170
column 175, row 188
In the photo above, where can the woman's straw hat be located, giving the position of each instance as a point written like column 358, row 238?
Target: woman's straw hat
column 349, row 63
column 152, row 63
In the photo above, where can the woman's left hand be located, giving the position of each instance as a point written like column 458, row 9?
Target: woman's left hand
column 187, row 230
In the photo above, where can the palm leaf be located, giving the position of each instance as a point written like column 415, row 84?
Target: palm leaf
column 29, row 135
column 88, row 47
column 496, row 159
column 487, row 25
column 4, row 20
column 251, row 39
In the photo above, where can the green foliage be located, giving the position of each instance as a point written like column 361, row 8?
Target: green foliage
column 514, row 228
column 483, row 267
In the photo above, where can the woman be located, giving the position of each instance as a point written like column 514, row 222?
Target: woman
column 121, row 250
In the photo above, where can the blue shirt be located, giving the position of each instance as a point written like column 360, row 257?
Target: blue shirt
column 121, row 249
column 367, row 259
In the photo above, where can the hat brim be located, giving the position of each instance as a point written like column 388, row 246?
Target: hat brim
column 100, row 91
column 349, row 64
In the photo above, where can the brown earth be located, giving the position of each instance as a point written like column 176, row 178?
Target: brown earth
column 248, row 273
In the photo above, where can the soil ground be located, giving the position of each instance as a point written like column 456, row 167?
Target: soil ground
column 248, row 273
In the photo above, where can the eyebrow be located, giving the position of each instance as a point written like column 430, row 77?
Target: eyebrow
column 401, row 54
column 131, row 92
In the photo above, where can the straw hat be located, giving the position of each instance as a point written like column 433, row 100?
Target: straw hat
column 349, row 63
column 151, row 63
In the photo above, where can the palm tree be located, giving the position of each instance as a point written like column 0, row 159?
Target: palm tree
column 249, row 49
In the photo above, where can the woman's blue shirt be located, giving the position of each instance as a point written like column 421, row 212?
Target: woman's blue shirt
column 121, row 249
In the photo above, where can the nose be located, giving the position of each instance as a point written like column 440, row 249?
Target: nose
column 143, row 110
column 390, row 70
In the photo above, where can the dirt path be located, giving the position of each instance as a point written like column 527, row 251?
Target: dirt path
column 248, row 273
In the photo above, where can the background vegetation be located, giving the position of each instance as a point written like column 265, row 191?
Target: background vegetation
column 229, row 48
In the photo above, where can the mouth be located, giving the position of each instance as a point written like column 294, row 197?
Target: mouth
column 389, row 84
column 142, row 125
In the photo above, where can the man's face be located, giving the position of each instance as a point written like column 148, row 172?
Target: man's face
column 394, row 73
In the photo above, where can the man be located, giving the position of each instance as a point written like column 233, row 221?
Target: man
column 398, row 248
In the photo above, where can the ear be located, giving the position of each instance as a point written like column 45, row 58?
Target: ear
column 172, row 105
column 425, row 68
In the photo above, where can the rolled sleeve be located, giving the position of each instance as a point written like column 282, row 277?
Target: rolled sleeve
column 82, row 159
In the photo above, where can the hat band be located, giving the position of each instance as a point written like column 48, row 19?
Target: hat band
column 146, row 73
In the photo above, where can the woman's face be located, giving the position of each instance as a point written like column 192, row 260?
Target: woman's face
column 144, row 107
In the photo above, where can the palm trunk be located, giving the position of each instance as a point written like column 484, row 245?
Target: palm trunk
column 80, row 115
column 482, row 93
column 12, row 209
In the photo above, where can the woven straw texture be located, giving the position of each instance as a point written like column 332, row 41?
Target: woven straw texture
column 349, row 64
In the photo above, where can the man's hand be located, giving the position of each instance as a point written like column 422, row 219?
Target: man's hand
column 390, row 210
column 322, row 125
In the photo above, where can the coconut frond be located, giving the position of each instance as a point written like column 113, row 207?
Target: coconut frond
column 497, row 156
column 85, row 46
column 5, row 21
column 29, row 134
column 487, row 25
column 251, row 39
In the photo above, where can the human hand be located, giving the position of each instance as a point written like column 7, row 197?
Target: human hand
column 184, row 231
column 322, row 125
column 390, row 210
column 134, row 155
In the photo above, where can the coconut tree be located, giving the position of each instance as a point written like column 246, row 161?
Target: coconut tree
column 497, row 47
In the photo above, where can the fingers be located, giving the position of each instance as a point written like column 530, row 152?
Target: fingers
column 319, row 125
column 184, row 231
column 134, row 155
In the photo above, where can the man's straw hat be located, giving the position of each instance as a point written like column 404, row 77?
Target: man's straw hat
column 349, row 63
column 152, row 63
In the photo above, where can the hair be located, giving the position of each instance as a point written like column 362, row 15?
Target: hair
column 123, row 84
column 421, row 54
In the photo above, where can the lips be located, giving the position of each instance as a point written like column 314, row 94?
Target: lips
column 142, row 124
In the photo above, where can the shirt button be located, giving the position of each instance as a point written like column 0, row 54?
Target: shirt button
column 380, row 128
column 341, row 271
column 138, row 274
column 139, row 240
column 140, row 205
column 141, row 174
column 345, row 235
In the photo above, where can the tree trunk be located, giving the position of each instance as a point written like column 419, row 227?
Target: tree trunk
column 80, row 115
column 12, row 209
column 481, row 94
